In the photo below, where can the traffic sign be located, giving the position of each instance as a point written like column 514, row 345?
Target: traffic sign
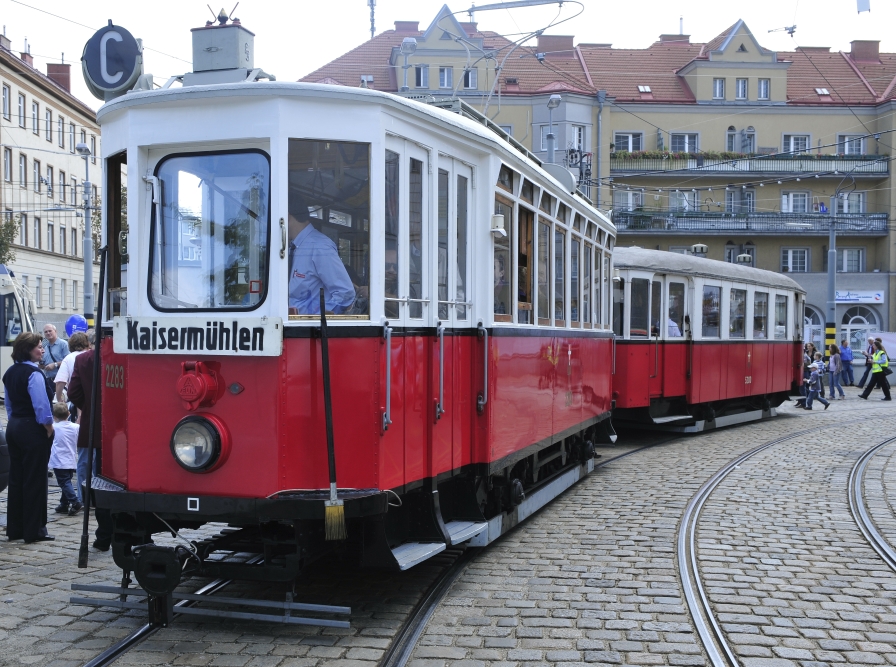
column 112, row 61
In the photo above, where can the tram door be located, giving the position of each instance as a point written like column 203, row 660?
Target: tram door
column 675, row 359
column 656, row 350
column 406, row 306
column 451, row 355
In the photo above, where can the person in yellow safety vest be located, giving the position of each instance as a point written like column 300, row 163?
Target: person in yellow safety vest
column 879, row 371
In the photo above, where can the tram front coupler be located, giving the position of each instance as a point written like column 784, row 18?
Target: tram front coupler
column 158, row 570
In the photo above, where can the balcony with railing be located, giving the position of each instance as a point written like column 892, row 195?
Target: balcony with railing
column 669, row 164
column 645, row 221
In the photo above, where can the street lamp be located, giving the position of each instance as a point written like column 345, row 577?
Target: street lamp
column 553, row 103
column 408, row 48
column 84, row 151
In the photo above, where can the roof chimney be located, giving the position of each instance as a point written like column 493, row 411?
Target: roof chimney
column 675, row 39
column 5, row 43
column 27, row 59
column 556, row 46
column 61, row 74
column 407, row 26
column 865, row 50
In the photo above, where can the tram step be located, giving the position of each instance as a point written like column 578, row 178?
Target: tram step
column 409, row 554
column 671, row 418
column 461, row 531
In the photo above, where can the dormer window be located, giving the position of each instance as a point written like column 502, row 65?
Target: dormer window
column 822, row 91
column 643, row 89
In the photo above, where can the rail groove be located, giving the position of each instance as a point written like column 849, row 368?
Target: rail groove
column 860, row 511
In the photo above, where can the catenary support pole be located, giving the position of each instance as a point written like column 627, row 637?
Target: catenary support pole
column 830, row 324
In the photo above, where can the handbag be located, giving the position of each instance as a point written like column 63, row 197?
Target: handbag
column 886, row 371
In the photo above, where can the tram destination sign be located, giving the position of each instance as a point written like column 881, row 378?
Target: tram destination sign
column 240, row 337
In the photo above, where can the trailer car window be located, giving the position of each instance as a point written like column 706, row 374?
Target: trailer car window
column 737, row 313
column 461, row 310
column 574, row 262
column 209, row 249
column 544, row 274
column 587, row 261
column 638, row 319
column 503, row 265
column 525, row 261
column 675, row 322
column 444, row 179
column 618, row 305
column 391, row 259
column 415, row 239
column 656, row 307
column 760, row 315
column 780, row 317
column 559, row 278
column 712, row 303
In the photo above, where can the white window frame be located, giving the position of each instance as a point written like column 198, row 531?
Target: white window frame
column 854, row 202
column 51, row 236
column 74, row 295
column 63, row 294
column 48, row 121
column 63, row 240
column 38, row 292
column 23, row 170
column 578, row 137
column 842, row 263
column 21, row 110
column 718, row 89
column 37, row 175
column 51, row 292
column 687, row 142
column 787, row 260
column 35, row 117
column 92, row 149
column 741, row 89
column 7, row 103
column 789, row 143
column 7, row 165
column 764, row 94
column 60, row 122
column 629, row 138
column 446, row 77
column 684, row 200
column 788, row 197
column 74, row 243
column 851, row 144
column 62, row 185
column 71, row 137
column 421, row 76
column 627, row 200
column 50, row 184
column 471, row 79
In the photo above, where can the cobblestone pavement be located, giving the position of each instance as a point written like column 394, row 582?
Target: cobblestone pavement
column 591, row 578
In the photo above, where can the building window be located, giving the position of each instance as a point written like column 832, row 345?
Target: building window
column 743, row 141
column 578, row 137
column 796, row 143
column 740, row 89
column 73, row 190
column 51, row 238
column 765, row 88
column 683, row 200
column 62, row 186
column 92, row 149
column 35, row 115
column 628, row 141
column 627, row 200
column 71, row 137
column 7, row 165
column 38, row 293
column 23, row 229
column 36, row 175
column 21, row 110
column 850, row 260
column 6, row 97
column 854, row 202
column 794, row 260
column 49, row 182
column 74, row 244
column 718, row 89
column 60, row 130
column 471, row 79
column 48, row 125
column 37, row 233
column 51, row 292
column 23, row 171
column 794, row 202
column 748, row 201
column 74, row 294
column 63, row 293
column 421, row 76
column 62, row 239
column 445, row 77
column 684, row 143
column 850, row 144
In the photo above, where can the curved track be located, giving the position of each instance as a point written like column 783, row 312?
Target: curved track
column 860, row 511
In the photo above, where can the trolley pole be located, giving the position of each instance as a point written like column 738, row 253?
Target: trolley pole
column 830, row 325
column 88, row 247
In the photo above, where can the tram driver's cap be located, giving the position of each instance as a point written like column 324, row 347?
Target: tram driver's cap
column 298, row 207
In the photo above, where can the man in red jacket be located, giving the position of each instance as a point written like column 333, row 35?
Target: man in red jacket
column 79, row 390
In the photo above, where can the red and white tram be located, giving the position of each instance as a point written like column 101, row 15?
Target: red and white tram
column 468, row 302
column 702, row 343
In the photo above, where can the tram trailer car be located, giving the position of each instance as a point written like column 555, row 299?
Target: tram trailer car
column 467, row 292
column 702, row 343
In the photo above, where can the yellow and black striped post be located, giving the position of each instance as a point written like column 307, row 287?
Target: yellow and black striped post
column 830, row 338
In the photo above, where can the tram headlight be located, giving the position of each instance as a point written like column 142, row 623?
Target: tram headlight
column 196, row 444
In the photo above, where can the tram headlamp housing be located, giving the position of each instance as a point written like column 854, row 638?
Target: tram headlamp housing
column 196, row 444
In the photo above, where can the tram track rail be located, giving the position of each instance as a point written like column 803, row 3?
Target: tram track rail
column 859, row 509
column 711, row 635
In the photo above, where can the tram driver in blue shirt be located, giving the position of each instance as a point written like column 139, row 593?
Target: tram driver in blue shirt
column 314, row 263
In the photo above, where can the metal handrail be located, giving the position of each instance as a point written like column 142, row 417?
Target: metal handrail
column 387, row 415
column 482, row 398
column 440, row 332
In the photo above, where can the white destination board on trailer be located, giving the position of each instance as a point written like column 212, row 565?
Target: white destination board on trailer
column 226, row 336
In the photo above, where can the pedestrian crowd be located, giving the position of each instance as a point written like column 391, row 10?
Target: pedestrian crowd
column 838, row 372
column 46, row 395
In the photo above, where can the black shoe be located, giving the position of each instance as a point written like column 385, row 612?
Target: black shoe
column 886, row 399
column 41, row 538
column 863, row 397
column 61, row 508
column 101, row 546
column 74, row 509
column 827, row 406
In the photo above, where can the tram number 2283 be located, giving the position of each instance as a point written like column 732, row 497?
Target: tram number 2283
column 115, row 376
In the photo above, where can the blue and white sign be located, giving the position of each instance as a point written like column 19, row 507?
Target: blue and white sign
column 860, row 296
column 112, row 61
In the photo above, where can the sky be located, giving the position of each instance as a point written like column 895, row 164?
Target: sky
column 296, row 37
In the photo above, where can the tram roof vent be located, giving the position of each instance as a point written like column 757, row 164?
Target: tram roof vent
column 223, row 52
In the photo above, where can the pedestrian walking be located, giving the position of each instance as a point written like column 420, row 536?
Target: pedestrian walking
column 835, row 368
column 29, row 434
column 879, row 371
column 868, row 352
column 812, row 385
column 846, row 377
column 64, row 459
column 55, row 350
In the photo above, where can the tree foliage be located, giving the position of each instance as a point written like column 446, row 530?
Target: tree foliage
column 9, row 232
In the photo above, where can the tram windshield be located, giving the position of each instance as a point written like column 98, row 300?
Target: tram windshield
column 210, row 241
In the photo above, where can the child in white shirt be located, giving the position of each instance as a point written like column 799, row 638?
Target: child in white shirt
column 64, row 459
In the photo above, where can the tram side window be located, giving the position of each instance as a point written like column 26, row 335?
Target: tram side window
column 638, row 321
column 712, row 303
column 559, row 278
column 587, row 261
column 574, row 263
column 415, row 239
column 780, row 317
column 676, row 310
column 502, row 262
column 461, row 310
column 618, row 305
column 209, row 248
column 760, row 315
column 393, row 205
column 525, row 261
column 656, row 307
column 544, row 274
column 737, row 313
column 595, row 258
column 443, row 243
column 10, row 319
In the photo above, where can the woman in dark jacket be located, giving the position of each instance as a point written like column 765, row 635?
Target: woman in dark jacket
column 29, row 434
